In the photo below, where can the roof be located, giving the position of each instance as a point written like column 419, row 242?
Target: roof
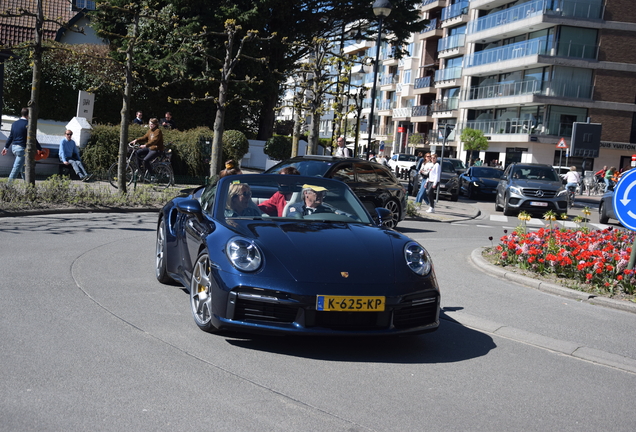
column 14, row 30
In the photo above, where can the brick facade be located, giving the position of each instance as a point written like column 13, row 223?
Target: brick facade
column 617, row 46
column 615, row 86
column 620, row 10
column 617, row 125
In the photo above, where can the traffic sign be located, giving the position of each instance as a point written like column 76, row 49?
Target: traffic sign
column 625, row 199
column 562, row 144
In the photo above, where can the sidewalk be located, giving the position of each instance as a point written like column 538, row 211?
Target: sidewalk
column 447, row 211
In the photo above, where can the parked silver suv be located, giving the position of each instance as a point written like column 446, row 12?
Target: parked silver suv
column 534, row 188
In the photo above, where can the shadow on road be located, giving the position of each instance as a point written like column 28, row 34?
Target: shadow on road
column 452, row 342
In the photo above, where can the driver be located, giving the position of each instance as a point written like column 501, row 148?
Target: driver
column 239, row 201
column 313, row 197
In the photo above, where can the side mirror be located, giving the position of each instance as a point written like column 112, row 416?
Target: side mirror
column 383, row 215
column 192, row 207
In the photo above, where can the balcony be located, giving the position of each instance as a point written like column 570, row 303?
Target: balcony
column 423, row 82
column 445, row 105
column 433, row 26
column 387, row 105
column 526, row 54
column 561, row 89
column 451, row 42
column 518, row 19
column 402, row 113
column 448, row 74
column 428, row 5
column 453, row 11
column 421, row 111
column 517, row 126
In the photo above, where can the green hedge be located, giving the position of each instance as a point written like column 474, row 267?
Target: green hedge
column 190, row 149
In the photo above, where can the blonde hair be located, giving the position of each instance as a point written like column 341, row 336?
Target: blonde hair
column 154, row 121
column 235, row 189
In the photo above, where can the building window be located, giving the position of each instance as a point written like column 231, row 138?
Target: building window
column 83, row 4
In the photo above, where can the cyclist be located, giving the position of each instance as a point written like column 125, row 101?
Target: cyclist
column 153, row 147
column 572, row 179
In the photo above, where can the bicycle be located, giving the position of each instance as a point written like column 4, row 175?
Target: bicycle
column 163, row 175
column 571, row 195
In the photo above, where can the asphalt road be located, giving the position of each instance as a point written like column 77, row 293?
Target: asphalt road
column 91, row 341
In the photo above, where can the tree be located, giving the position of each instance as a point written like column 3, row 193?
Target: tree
column 474, row 140
column 36, row 48
column 139, row 34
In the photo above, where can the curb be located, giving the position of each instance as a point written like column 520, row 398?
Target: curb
column 486, row 267
column 71, row 210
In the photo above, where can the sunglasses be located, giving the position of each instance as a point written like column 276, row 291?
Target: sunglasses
column 68, row 134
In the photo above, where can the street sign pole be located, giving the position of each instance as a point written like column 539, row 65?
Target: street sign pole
column 560, row 157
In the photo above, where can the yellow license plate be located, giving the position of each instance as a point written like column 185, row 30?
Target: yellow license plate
column 350, row 303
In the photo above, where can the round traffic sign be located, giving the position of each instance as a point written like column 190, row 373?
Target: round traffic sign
column 624, row 201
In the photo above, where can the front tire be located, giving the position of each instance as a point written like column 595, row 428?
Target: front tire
column 112, row 175
column 394, row 208
column 498, row 208
column 161, row 270
column 602, row 213
column 201, row 293
column 507, row 211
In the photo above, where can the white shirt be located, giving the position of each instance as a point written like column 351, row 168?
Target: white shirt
column 572, row 177
column 342, row 152
column 435, row 175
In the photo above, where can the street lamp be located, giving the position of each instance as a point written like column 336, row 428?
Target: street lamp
column 445, row 132
column 381, row 9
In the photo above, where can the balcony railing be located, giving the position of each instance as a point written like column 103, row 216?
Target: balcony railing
column 432, row 25
column 520, row 49
column 421, row 111
column 455, row 10
column 389, row 79
column 448, row 74
column 518, row 126
column 402, row 112
column 451, row 42
column 425, row 2
column 387, row 105
column 555, row 88
column 502, row 126
column 566, row 8
column 423, row 82
column 445, row 105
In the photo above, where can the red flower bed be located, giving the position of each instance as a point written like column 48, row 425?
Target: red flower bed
column 597, row 259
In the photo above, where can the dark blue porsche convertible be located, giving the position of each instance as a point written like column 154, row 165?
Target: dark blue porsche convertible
column 293, row 254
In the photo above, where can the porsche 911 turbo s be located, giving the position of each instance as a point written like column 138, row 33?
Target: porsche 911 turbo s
column 293, row 254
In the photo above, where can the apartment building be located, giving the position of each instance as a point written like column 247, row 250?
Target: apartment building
column 520, row 71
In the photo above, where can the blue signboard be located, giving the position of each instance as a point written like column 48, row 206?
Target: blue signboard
column 625, row 199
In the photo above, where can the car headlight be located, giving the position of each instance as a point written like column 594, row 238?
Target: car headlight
column 515, row 190
column 477, row 184
column 243, row 254
column 417, row 259
column 562, row 192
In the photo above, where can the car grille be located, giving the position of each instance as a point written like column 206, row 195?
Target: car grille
column 248, row 310
column 538, row 193
column 417, row 313
column 351, row 320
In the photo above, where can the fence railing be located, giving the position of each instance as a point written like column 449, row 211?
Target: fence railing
column 422, row 82
column 566, row 8
column 445, row 105
column 448, row 74
column 451, row 42
column 455, row 10
column 558, row 88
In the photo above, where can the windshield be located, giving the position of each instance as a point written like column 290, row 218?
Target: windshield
column 311, row 168
column 280, row 197
column 487, row 172
column 535, row 173
column 407, row 158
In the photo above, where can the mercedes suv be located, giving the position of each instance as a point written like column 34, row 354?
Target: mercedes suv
column 530, row 187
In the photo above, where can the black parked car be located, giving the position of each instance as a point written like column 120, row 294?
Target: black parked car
column 373, row 183
column 480, row 181
column 449, row 183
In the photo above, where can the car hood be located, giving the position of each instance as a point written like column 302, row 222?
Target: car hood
column 327, row 252
column 538, row 184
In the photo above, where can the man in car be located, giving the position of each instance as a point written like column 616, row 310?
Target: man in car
column 313, row 197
